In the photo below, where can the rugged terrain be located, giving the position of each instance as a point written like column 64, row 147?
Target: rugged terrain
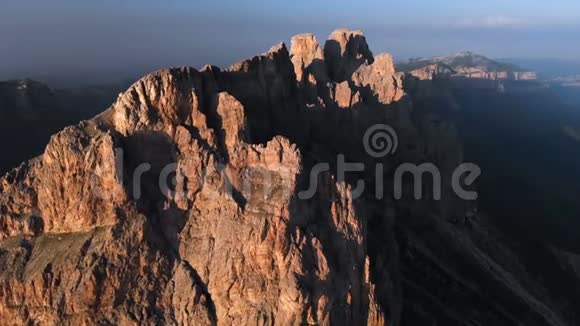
column 184, row 204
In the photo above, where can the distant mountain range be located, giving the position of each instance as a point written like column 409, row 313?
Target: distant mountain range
column 30, row 112
column 459, row 59
column 465, row 64
column 547, row 68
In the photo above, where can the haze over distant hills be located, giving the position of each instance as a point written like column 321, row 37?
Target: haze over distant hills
column 31, row 111
column 547, row 68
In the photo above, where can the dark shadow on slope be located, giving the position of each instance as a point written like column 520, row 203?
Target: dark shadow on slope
column 527, row 185
column 323, row 145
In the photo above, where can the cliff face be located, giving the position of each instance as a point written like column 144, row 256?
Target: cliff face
column 183, row 204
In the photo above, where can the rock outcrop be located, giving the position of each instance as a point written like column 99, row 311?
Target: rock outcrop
column 226, row 242
column 188, row 202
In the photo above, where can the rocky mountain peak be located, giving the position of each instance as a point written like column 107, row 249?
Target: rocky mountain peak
column 347, row 64
column 188, row 202
column 229, row 232
column 304, row 51
column 344, row 52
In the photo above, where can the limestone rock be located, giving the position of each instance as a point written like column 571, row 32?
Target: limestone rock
column 344, row 52
column 380, row 80
column 305, row 52
column 229, row 243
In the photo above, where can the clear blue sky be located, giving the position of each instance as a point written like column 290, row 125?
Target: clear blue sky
column 103, row 36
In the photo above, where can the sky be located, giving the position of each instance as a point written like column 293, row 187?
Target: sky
column 96, row 39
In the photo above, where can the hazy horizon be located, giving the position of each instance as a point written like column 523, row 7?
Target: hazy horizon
column 66, row 39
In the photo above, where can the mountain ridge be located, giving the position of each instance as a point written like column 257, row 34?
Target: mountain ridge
column 84, row 239
column 465, row 64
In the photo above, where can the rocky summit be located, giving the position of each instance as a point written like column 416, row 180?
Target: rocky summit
column 190, row 202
